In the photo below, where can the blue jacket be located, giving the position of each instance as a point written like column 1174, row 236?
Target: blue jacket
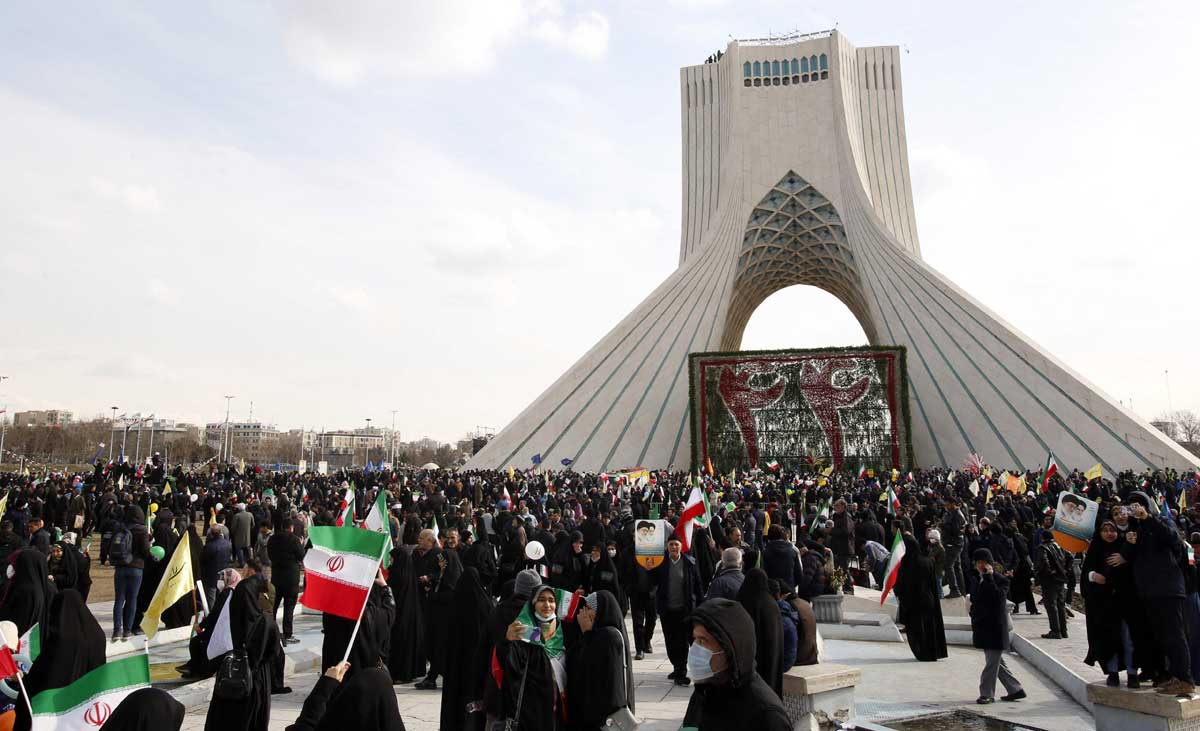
column 692, row 593
column 726, row 584
column 791, row 620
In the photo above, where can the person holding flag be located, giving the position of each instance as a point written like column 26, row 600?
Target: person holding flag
column 252, row 634
column 917, row 590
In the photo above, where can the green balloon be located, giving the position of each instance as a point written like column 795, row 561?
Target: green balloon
column 157, row 552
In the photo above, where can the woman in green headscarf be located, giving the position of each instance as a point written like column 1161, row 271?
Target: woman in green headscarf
column 534, row 686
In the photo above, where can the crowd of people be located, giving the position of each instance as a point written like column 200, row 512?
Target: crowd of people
column 483, row 561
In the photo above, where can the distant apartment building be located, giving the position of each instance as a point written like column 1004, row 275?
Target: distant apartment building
column 52, row 417
column 252, row 441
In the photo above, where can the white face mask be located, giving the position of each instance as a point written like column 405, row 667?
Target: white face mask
column 543, row 618
column 220, row 584
column 612, row 553
column 10, row 571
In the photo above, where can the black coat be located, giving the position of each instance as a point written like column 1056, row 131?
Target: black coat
column 464, row 675
column 373, row 641
column 254, row 632
column 598, row 669
column 405, row 658
column 781, row 561
column 917, row 590
column 763, row 609
column 989, row 613
column 287, row 556
column 739, row 699
column 214, row 558
column 1155, row 558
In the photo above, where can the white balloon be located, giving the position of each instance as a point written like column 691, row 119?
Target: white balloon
column 534, row 550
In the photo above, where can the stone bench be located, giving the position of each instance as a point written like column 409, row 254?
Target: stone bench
column 817, row 696
column 1119, row 709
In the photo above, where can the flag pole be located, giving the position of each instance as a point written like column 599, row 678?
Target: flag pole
column 25, row 695
column 363, row 609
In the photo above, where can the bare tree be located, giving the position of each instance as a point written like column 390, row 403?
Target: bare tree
column 1187, row 426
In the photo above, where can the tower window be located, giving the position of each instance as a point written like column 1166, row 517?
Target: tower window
column 757, row 82
column 824, row 62
column 824, row 74
column 795, row 79
column 812, row 63
column 746, row 69
column 795, row 66
column 787, row 67
column 804, row 65
column 757, row 69
column 774, row 68
column 804, row 78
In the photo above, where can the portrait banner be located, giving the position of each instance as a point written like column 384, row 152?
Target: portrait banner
column 1074, row 521
column 650, row 542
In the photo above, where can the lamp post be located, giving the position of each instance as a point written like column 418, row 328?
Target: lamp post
column 392, row 441
column 227, row 451
column 112, row 443
column 3, row 423
column 367, row 443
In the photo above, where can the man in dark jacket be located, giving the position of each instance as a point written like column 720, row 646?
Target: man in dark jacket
column 729, row 693
column 953, row 523
column 780, row 559
column 287, row 555
column 989, row 630
column 678, row 594
column 438, row 572
column 1052, row 576
column 214, row 558
column 1153, row 545
column 729, row 578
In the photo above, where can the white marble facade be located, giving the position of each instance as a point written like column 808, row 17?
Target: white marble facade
column 795, row 171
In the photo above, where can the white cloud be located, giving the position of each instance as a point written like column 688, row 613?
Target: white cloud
column 135, row 197
column 346, row 43
column 350, row 297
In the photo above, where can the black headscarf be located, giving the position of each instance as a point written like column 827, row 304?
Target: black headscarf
column 146, row 709
column 755, row 597
column 74, row 646
column 365, row 702
column 599, row 671
column 917, row 590
column 27, row 594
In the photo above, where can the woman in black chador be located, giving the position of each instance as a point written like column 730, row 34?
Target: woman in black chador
column 74, row 646
column 917, row 590
column 465, row 675
column 599, row 672
column 405, row 660
column 254, row 632
column 755, row 597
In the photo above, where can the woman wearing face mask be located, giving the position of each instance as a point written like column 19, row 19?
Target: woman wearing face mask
column 199, row 665
column 599, row 670
column 602, row 575
column 729, row 693
column 537, row 663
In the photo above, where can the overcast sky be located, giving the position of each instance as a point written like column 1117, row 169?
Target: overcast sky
column 338, row 209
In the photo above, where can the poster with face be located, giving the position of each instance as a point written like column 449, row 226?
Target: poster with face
column 1074, row 521
column 649, row 542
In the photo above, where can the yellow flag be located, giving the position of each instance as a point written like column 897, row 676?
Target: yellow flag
column 987, row 489
column 827, row 471
column 511, row 472
column 166, row 489
column 1016, row 485
column 1094, row 473
column 4, row 503
column 176, row 583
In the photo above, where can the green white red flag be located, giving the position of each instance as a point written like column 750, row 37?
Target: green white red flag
column 893, row 567
column 88, row 702
column 695, row 509
column 1051, row 469
column 346, row 513
column 340, row 568
column 377, row 519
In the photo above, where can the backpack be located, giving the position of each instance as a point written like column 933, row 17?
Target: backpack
column 235, row 678
column 120, row 551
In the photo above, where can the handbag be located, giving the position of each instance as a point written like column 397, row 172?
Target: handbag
column 235, row 679
column 78, row 522
column 623, row 719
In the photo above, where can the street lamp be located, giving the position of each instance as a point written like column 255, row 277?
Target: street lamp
column 3, row 423
column 112, row 443
column 392, row 441
column 367, row 443
column 227, row 451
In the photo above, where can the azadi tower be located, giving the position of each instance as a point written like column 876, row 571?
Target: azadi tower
column 795, row 171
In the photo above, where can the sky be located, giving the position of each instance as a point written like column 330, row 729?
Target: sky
column 337, row 210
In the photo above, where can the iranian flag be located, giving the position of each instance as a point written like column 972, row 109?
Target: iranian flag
column 862, row 471
column 88, row 702
column 346, row 512
column 893, row 502
column 773, row 465
column 694, row 512
column 893, row 567
column 30, row 643
column 1051, row 469
column 377, row 520
column 340, row 568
